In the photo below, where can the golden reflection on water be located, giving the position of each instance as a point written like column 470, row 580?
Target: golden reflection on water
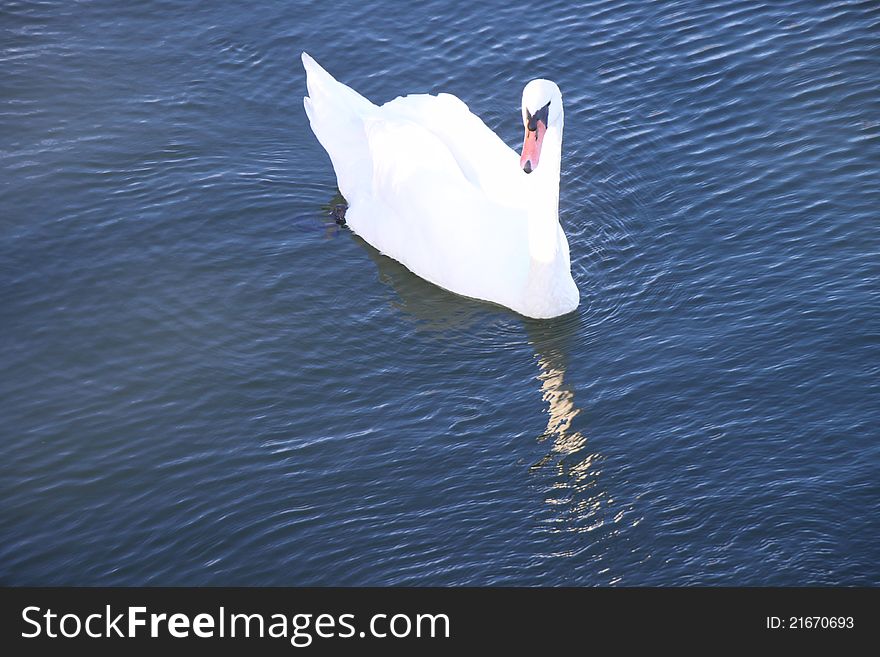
column 578, row 501
column 562, row 410
column 570, row 470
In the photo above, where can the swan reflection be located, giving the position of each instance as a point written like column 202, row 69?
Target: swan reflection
column 575, row 493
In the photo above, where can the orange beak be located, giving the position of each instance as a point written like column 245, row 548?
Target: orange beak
column 531, row 151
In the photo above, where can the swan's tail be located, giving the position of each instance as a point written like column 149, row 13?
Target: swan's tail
column 336, row 113
column 321, row 84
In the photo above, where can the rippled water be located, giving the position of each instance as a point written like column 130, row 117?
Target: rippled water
column 207, row 381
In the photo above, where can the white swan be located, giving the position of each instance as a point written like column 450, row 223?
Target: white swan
column 428, row 184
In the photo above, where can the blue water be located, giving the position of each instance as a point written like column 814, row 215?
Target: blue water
column 205, row 380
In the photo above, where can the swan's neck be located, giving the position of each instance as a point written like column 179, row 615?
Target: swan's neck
column 542, row 199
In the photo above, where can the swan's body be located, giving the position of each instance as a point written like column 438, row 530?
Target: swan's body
column 428, row 184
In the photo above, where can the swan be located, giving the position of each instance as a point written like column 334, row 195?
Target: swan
column 430, row 185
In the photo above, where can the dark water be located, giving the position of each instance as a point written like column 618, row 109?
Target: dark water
column 206, row 381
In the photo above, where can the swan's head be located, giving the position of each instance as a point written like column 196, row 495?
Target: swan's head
column 541, row 108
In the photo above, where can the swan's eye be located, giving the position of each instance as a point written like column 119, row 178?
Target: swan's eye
column 541, row 115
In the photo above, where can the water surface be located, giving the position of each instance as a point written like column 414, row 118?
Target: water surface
column 207, row 381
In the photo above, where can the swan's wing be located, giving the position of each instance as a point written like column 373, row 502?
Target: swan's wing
column 426, row 214
column 338, row 113
column 483, row 158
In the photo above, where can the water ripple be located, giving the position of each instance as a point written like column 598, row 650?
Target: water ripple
column 208, row 381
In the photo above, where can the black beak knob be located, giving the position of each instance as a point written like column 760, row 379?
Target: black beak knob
column 528, row 166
